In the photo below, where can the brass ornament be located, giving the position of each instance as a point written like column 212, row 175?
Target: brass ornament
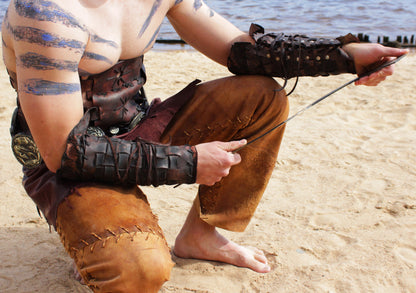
column 26, row 151
column 135, row 121
column 95, row 131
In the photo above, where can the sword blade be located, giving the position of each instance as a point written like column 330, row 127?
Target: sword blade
column 388, row 63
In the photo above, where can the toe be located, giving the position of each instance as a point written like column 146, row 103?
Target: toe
column 260, row 267
column 261, row 258
column 256, row 260
column 258, row 254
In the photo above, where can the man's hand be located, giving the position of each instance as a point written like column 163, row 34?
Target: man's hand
column 215, row 160
column 367, row 56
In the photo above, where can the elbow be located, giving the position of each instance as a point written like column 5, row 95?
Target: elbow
column 52, row 161
column 52, row 154
column 52, row 165
column 244, row 38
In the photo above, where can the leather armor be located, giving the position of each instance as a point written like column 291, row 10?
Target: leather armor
column 288, row 56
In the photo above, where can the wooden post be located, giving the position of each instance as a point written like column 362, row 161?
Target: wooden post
column 399, row 39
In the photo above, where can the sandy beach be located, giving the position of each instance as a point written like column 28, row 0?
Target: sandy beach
column 339, row 214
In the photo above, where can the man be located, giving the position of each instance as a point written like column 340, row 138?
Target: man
column 87, row 137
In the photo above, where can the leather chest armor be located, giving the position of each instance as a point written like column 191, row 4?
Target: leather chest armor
column 117, row 94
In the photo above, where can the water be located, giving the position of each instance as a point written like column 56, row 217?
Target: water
column 313, row 17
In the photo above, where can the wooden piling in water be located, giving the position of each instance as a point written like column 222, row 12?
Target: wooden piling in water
column 400, row 42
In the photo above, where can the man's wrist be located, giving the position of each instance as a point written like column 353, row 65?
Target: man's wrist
column 348, row 42
column 349, row 49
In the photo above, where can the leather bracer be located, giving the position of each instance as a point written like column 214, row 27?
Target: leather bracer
column 99, row 158
column 290, row 56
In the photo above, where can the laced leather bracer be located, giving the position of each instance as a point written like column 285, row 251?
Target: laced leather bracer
column 99, row 158
column 288, row 56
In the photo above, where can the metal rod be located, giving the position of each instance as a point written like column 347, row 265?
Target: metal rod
column 321, row 99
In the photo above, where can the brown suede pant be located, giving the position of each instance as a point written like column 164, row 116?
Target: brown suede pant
column 113, row 236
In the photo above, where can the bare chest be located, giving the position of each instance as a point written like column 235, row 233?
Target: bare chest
column 120, row 30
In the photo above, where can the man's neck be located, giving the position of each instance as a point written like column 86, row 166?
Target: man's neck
column 92, row 3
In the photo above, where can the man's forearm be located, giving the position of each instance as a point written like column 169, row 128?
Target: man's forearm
column 115, row 161
column 285, row 56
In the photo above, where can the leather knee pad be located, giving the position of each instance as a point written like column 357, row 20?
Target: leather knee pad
column 135, row 262
column 114, row 239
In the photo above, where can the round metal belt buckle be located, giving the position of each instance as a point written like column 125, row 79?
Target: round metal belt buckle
column 26, row 151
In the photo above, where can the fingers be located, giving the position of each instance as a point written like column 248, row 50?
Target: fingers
column 367, row 56
column 233, row 145
column 375, row 78
column 215, row 160
column 394, row 52
column 230, row 159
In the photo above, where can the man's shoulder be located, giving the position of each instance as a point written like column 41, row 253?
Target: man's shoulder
column 42, row 13
column 46, row 23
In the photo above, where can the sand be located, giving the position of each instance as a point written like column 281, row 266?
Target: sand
column 339, row 214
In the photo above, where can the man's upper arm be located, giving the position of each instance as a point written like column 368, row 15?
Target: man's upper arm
column 204, row 29
column 47, row 55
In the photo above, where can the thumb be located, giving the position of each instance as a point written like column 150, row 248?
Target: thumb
column 394, row 52
column 233, row 145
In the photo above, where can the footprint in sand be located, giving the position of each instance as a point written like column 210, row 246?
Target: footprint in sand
column 324, row 222
column 407, row 255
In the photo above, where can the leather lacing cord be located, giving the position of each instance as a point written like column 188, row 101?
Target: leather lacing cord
column 277, row 41
column 141, row 153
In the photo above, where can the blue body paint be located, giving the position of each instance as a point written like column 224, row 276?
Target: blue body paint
column 46, row 11
column 149, row 18
column 43, row 38
column 197, row 4
column 153, row 38
column 40, row 62
column 97, row 57
column 41, row 87
column 97, row 39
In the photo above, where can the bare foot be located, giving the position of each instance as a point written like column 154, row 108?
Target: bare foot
column 200, row 240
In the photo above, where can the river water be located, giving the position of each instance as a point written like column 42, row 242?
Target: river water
column 313, row 17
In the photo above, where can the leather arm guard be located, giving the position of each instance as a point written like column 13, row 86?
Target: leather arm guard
column 99, row 158
column 290, row 56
